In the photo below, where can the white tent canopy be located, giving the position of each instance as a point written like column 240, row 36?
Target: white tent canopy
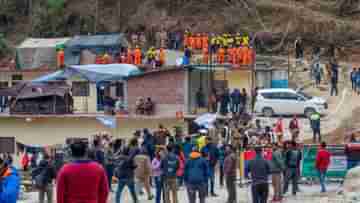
column 93, row 72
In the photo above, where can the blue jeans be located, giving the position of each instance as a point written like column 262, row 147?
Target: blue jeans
column 352, row 164
column 180, row 180
column 158, row 189
column 322, row 176
column 110, row 173
column 131, row 186
column 212, row 179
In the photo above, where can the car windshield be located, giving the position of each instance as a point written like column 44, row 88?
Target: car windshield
column 305, row 95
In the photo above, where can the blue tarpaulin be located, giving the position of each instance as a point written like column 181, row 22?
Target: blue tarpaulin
column 93, row 73
column 97, row 44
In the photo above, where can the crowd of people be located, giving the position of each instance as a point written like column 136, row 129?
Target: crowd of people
column 161, row 162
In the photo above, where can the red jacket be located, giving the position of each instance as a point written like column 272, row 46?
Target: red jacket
column 322, row 160
column 82, row 182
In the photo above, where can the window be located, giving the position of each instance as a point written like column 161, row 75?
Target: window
column 80, row 89
column 4, row 84
column 288, row 96
column 119, row 89
column 16, row 77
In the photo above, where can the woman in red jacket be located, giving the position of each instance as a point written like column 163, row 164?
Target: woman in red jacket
column 322, row 164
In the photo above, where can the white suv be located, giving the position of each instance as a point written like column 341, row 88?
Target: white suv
column 271, row 102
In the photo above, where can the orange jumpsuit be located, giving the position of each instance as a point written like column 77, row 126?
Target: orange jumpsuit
column 192, row 42
column 129, row 57
column 239, row 55
column 137, row 56
column 232, row 55
column 205, row 41
column 162, row 56
column 198, row 42
column 205, row 59
column 221, row 56
column 246, row 56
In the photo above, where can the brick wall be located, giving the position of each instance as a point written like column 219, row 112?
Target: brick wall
column 166, row 89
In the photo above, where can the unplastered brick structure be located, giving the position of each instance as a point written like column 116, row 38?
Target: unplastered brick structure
column 166, row 88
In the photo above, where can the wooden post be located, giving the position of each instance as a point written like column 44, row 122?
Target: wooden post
column 96, row 15
column 119, row 13
column 30, row 16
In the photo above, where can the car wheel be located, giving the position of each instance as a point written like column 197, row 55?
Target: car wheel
column 268, row 112
column 308, row 112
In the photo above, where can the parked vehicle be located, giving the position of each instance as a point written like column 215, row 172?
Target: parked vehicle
column 270, row 102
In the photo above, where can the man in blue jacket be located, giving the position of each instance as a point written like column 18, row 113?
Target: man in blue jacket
column 9, row 183
column 196, row 176
column 211, row 152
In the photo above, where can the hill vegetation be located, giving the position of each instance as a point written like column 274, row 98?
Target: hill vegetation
column 317, row 21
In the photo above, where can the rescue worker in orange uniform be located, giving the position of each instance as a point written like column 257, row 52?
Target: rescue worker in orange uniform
column 129, row 56
column 137, row 56
column 61, row 58
column 239, row 55
column 205, row 53
column 232, row 55
column 192, row 42
column 246, row 56
column 221, row 55
column 198, row 41
column 251, row 55
column 162, row 56
column 205, row 41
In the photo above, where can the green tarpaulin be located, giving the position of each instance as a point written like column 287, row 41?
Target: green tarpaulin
column 338, row 164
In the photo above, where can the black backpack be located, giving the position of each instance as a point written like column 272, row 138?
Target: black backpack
column 41, row 179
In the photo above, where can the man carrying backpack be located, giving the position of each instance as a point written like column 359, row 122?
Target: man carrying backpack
column 125, row 173
column 196, row 176
column 43, row 177
column 169, row 166
column 292, row 162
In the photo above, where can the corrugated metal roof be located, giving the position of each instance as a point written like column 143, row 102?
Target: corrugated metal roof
column 89, row 41
column 42, row 42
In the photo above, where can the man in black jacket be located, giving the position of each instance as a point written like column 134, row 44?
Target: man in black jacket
column 44, row 176
column 260, row 170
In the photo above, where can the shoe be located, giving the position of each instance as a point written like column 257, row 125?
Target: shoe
column 151, row 197
column 214, row 195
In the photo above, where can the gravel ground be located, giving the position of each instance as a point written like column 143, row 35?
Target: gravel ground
column 308, row 194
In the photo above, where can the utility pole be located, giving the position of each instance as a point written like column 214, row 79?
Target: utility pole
column 30, row 16
column 119, row 13
column 96, row 15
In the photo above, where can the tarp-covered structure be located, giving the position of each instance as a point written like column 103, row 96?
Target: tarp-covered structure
column 39, row 98
column 77, row 49
column 94, row 73
column 38, row 52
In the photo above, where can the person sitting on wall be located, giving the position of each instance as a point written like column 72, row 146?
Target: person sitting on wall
column 149, row 106
column 140, row 106
column 120, row 105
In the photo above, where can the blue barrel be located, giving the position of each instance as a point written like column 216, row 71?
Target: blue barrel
column 279, row 79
